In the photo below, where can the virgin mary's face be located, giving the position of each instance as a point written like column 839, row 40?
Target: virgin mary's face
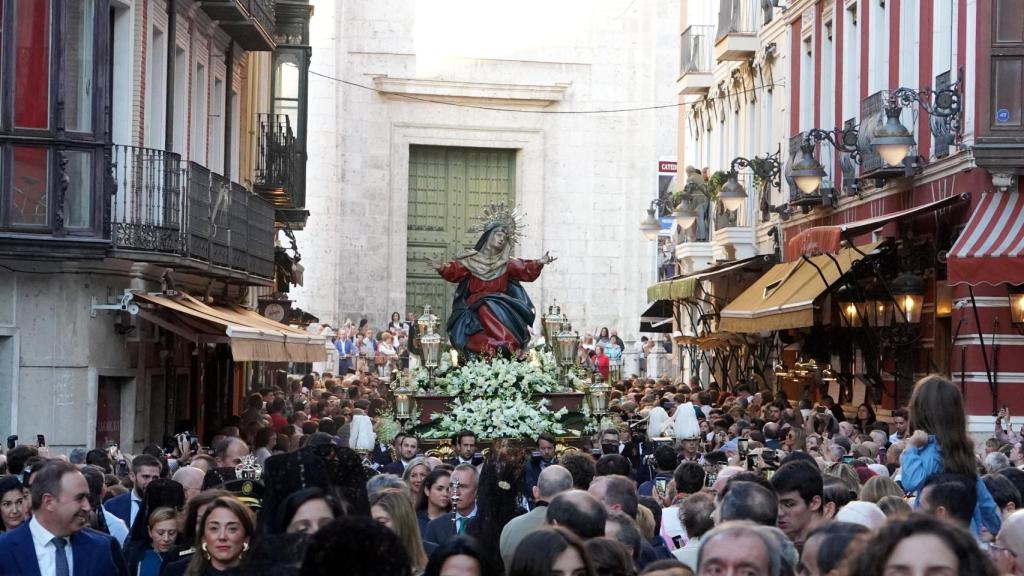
column 497, row 240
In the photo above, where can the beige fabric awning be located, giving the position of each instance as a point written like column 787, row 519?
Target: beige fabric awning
column 784, row 297
column 251, row 336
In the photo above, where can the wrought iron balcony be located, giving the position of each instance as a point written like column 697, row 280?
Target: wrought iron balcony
column 185, row 215
column 695, row 63
column 736, row 38
column 275, row 159
column 147, row 208
column 249, row 22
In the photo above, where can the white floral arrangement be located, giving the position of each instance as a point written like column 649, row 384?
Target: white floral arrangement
column 497, row 417
column 496, row 398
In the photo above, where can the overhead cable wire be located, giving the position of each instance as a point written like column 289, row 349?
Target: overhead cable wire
column 720, row 96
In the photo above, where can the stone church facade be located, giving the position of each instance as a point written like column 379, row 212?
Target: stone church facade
column 395, row 179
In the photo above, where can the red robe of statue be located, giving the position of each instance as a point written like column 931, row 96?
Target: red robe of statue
column 495, row 334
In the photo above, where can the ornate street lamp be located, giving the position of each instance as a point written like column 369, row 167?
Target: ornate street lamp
column 552, row 325
column 807, row 172
column 732, row 195
column 768, row 169
column 892, row 141
column 908, row 291
column 1016, row 295
column 651, row 226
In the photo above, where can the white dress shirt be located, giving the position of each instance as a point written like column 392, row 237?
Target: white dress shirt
column 46, row 552
column 136, row 504
column 117, row 528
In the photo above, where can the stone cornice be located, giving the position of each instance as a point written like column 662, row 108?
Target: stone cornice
column 535, row 95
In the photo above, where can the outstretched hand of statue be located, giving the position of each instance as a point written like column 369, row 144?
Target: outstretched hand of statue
column 435, row 264
column 547, row 258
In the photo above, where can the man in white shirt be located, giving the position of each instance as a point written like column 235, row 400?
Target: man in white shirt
column 443, row 528
column 53, row 542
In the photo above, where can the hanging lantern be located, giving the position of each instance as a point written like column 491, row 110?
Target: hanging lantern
column 877, row 304
column 1016, row 294
column 552, row 324
column 599, row 392
column 908, row 291
column 851, row 306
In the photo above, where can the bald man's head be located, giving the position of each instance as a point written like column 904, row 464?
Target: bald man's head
column 552, row 481
column 191, row 479
column 1011, row 537
column 578, row 511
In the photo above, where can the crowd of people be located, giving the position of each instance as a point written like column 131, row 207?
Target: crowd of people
column 688, row 481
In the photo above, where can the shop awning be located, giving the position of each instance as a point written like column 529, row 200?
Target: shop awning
column 990, row 250
column 784, row 297
column 250, row 336
column 657, row 318
column 828, row 239
column 683, row 287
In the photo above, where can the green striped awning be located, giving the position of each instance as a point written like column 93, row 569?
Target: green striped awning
column 675, row 289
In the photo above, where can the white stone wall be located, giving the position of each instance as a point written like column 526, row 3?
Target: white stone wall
column 58, row 353
column 584, row 180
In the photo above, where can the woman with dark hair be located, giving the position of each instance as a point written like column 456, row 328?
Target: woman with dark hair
column 396, row 323
column 226, row 529
column 14, row 503
column 551, row 550
column 355, row 546
column 864, row 418
column 263, row 443
column 940, row 443
column 924, row 545
column 459, row 555
column 498, row 495
column 610, row 557
column 434, row 499
column 305, row 511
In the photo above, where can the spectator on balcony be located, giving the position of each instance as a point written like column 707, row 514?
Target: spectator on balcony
column 387, row 355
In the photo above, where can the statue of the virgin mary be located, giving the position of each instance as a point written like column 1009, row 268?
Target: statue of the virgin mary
column 491, row 312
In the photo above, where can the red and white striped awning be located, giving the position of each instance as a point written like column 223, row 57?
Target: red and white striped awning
column 990, row 250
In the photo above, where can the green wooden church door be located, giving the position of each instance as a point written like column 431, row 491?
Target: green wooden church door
column 448, row 189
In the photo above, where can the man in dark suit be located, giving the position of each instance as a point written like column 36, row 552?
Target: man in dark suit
column 406, row 452
column 440, row 529
column 145, row 469
column 552, row 481
column 382, row 452
column 545, row 457
column 465, row 448
column 56, row 542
